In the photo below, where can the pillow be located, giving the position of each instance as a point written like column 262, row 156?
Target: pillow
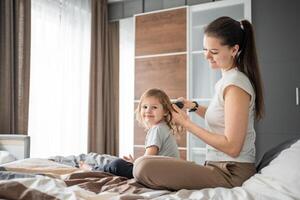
column 6, row 157
column 273, row 153
column 282, row 173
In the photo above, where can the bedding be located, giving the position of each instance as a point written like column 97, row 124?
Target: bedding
column 46, row 179
column 273, row 153
column 6, row 157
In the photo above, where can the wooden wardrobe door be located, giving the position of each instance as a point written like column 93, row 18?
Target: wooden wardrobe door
column 161, row 32
column 166, row 72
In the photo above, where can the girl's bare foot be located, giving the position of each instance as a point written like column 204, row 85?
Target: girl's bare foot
column 84, row 166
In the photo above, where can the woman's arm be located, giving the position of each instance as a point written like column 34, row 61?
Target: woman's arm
column 236, row 110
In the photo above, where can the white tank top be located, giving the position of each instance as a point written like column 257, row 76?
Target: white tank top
column 214, row 117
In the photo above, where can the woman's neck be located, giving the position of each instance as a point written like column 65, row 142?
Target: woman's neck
column 228, row 68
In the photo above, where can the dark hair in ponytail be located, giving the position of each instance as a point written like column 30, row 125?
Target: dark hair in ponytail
column 232, row 32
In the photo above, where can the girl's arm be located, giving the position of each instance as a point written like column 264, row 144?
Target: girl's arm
column 236, row 110
column 152, row 150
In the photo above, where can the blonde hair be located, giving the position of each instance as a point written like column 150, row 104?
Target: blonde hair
column 166, row 104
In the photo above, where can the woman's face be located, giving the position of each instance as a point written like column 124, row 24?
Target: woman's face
column 219, row 56
column 152, row 111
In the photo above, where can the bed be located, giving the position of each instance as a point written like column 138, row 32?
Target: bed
column 278, row 177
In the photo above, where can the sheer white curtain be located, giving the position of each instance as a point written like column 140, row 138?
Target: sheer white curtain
column 59, row 79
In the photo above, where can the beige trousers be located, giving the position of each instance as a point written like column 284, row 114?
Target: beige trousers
column 160, row 172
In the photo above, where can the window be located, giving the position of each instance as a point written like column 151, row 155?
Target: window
column 59, row 77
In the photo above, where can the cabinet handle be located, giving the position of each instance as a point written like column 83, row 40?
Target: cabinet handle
column 297, row 96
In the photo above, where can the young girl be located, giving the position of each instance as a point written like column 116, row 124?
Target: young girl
column 154, row 113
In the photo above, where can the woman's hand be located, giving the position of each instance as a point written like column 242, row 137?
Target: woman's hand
column 129, row 158
column 186, row 103
column 180, row 117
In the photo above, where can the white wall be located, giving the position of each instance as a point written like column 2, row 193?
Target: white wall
column 126, row 109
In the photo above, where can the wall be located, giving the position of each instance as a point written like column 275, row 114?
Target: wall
column 128, row 8
column 278, row 40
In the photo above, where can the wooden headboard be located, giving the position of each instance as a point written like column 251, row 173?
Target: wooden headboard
column 17, row 145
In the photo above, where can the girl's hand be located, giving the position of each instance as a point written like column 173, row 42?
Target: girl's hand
column 129, row 158
column 180, row 117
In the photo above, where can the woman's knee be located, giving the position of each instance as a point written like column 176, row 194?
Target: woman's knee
column 142, row 169
column 139, row 166
column 151, row 171
column 147, row 169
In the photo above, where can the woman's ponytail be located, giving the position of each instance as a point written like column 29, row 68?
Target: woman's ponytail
column 232, row 32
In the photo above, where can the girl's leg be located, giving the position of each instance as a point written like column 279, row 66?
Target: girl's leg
column 159, row 172
column 119, row 167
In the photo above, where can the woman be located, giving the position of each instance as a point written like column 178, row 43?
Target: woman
column 230, row 136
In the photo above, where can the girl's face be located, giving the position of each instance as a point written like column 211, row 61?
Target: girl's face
column 152, row 111
column 219, row 56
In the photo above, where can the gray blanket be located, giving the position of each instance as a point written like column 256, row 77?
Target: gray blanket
column 92, row 159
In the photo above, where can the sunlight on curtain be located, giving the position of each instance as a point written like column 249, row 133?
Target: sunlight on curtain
column 59, row 79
